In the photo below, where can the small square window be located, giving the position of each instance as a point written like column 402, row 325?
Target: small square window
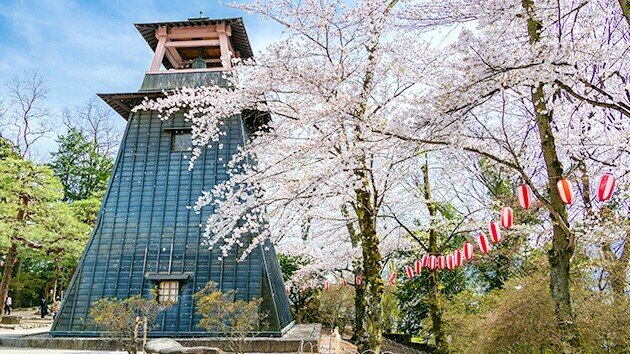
column 181, row 140
column 168, row 291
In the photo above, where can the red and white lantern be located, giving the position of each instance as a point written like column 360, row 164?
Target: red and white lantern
column 507, row 217
column 392, row 278
column 468, row 251
column 409, row 272
column 524, row 196
column 287, row 289
column 450, row 262
column 458, row 258
column 495, row 232
column 326, row 285
column 417, row 266
column 484, row 245
column 606, row 187
column 344, row 282
column 425, row 260
column 432, row 262
column 441, row 260
column 357, row 280
column 565, row 191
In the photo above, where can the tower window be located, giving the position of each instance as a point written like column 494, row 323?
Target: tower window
column 168, row 291
column 181, row 140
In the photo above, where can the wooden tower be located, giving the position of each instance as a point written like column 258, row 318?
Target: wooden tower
column 145, row 237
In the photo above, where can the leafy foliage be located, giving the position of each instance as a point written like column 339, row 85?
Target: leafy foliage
column 222, row 312
column 125, row 319
column 303, row 299
column 79, row 165
column 42, row 228
column 336, row 307
column 519, row 318
column 412, row 298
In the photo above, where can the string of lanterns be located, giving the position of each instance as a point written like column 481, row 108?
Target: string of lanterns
column 455, row 259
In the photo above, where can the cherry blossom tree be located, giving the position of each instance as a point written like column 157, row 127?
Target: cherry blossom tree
column 334, row 77
column 359, row 92
column 540, row 87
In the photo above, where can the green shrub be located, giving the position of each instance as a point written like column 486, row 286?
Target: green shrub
column 222, row 313
column 125, row 319
column 520, row 319
column 336, row 307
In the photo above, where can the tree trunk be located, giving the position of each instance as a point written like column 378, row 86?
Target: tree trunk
column 11, row 255
column 374, row 286
column 359, row 289
column 625, row 9
column 16, row 295
column 435, row 304
column 563, row 243
column 359, row 312
column 7, row 275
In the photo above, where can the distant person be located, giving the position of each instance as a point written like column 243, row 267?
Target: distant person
column 8, row 303
column 55, row 307
column 43, row 307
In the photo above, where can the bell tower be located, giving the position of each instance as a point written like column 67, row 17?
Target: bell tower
column 145, row 236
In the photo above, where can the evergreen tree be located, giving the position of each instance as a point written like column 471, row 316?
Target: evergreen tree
column 82, row 170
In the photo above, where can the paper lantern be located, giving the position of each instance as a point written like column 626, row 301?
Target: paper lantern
column 326, row 285
column 507, row 217
column 484, row 246
column 417, row 266
column 524, row 196
column 458, row 257
column 450, row 262
column 495, row 232
column 425, row 260
column 409, row 272
column 606, row 187
column 392, row 278
column 304, row 288
column 432, row 262
column 344, row 282
column 287, row 289
column 441, row 260
column 565, row 191
column 468, row 250
column 357, row 280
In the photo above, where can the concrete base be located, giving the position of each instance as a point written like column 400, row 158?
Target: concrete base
column 300, row 338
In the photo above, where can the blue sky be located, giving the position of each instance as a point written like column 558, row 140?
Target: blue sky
column 88, row 47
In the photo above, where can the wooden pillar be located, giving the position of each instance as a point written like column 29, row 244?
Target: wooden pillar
column 161, row 35
column 226, row 56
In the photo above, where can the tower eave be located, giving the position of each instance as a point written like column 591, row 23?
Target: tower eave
column 124, row 102
column 239, row 34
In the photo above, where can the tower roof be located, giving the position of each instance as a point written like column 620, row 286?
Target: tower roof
column 239, row 34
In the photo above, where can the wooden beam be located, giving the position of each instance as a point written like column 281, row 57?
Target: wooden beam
column 157, row 72
column 226, row 57
column 172, row 55
column 203, row 43
column 195, row 32
column 209, row 61
column 160, row 33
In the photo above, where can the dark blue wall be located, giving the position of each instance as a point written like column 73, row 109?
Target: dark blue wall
column 146, row 230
